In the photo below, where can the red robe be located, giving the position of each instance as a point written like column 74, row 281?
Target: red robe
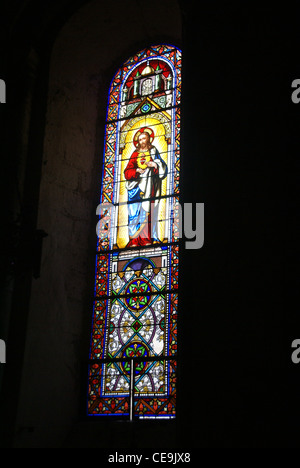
column 130, row 171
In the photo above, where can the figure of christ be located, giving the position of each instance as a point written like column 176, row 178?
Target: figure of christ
column 144, row 173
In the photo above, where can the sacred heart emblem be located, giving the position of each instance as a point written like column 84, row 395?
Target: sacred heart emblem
column 143, row 159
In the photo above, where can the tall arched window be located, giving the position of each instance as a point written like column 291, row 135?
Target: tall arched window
column 133, row 355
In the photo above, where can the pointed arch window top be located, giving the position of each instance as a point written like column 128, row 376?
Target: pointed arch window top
column 151, row 72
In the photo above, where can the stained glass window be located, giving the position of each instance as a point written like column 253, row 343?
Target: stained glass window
column 133, row 353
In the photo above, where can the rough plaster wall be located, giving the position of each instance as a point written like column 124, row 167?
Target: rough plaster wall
column 85, row 54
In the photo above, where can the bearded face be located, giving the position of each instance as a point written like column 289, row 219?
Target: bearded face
column 144, row 141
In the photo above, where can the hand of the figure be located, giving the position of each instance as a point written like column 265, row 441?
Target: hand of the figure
column 152, row 164
column 140, row 171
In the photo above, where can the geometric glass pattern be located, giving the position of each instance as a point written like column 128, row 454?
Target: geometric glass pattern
column 133, row 352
